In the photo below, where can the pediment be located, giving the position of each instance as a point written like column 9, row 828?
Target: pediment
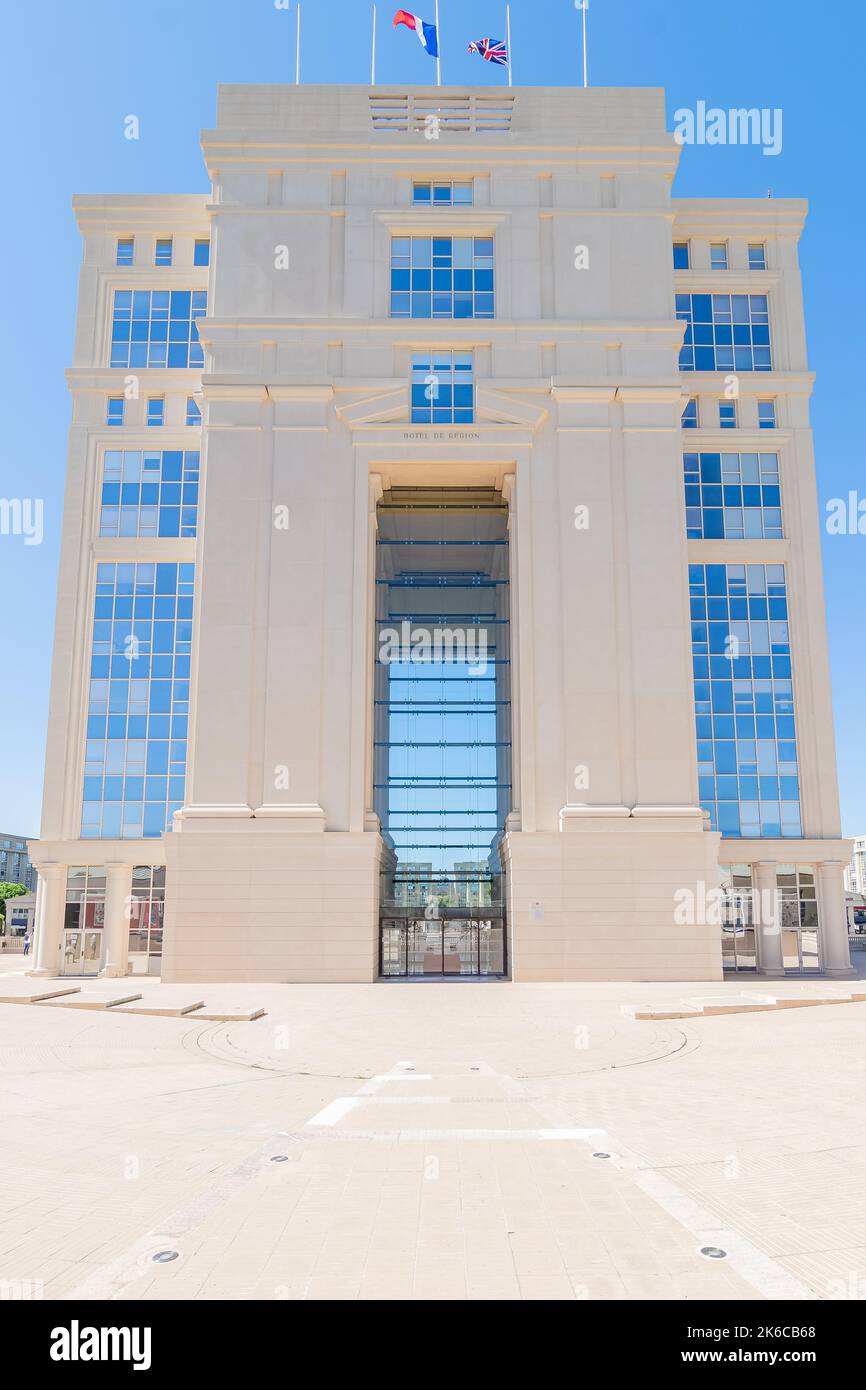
column 377, row 407
column 501, row 407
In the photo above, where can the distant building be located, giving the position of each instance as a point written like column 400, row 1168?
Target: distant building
column 15, row 866
column 20, row 913
column 855, row 874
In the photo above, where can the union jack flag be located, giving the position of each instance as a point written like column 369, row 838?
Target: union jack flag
column 493, row 50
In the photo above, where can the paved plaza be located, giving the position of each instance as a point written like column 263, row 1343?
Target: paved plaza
column 433, row 1141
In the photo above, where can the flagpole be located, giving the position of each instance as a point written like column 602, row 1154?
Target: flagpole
column 508, row 38
column 373, row 80
column 298, row 47
column 585, row 79
column 438, row 49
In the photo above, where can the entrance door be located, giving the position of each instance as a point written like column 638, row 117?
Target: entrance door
column 442, row 946
column 82, row 951
column 800, row 948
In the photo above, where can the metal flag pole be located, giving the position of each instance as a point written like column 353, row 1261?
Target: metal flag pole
column 298, row 47
column 508, row 39
column 438, row 49
column 585, row 78
column 373, row 78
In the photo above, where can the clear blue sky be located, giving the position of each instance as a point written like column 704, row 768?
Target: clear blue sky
column 72, row 72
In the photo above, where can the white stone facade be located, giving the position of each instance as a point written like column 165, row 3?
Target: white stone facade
column 273, row 863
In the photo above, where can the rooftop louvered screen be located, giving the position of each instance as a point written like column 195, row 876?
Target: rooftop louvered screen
column 471, row 115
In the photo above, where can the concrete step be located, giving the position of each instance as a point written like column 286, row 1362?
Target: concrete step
column 33, row 994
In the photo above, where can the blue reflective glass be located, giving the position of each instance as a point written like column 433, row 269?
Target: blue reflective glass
column 144, row 344
column 745, row 782
column 458, row 271
column 718, row 320
column 138, row 700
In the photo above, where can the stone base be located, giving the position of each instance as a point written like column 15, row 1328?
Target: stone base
column 263, row 906
column 596, row 901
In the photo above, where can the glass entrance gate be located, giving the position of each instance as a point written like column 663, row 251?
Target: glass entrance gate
column 440, row 947
column 442, row 740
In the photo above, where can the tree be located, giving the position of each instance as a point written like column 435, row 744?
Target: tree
column 9, row 890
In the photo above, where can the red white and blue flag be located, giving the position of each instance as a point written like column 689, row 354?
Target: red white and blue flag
column 426, row 32
column 492, row 50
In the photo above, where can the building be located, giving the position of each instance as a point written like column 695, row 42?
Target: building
column 15, row 865
column 20, row 915
column 409, row 528
column 855, row 874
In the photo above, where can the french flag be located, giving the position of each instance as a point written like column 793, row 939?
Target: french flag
column 426, row 32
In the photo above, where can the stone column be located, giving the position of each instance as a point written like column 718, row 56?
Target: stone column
column 50, row 912
column 768, row 927
column 833, row 919
column 118, row 892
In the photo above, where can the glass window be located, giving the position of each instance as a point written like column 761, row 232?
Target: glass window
column 114, row 413
column 446, row 194
column 727, row 415
column 163, row 251
column 691, row 417
column 193, row 412
column 681, row 255
column 719, row 255
column 744, row 700
column 201, row 253
column 149, row 492
column 156, row 410
column 757, row 255
column 138, row 710
column 85, row 898
column 442, row 277
column 442, row 389
column 725, row 332
column 125, row 250
column 146, row 916
column 767, row 415
column 157, row 328
column 732, row 496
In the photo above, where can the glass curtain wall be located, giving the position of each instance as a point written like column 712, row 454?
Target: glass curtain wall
column 442, row 728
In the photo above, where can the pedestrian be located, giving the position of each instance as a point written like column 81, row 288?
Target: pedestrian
column 28, row 938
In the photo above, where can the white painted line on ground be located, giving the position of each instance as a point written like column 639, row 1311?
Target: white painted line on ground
column 365, row 1098
column 443, row 1135
column 333, row 1113
column 391, row 1076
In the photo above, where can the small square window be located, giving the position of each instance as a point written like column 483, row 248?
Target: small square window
column 114, row 414
column 156, row 410
column 691, row 418
column 766, row 415
column 164, row 247
column 193, row 411
column 719, row 255
column 125, row 250
column 757, row 255
column 727, row 415
column 201, row 255
column 681, row 255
